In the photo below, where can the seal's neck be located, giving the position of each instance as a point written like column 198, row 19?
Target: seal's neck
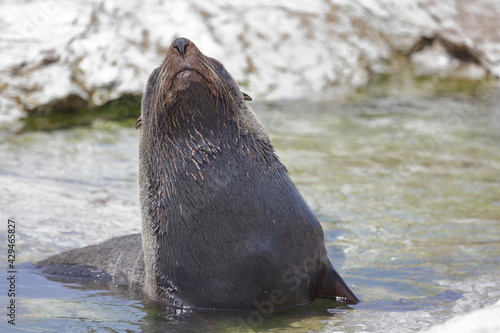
column 191, row 130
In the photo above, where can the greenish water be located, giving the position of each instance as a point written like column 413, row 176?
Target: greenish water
column 407, row 191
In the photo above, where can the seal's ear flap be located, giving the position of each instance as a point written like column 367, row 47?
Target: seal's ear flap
column 246, row 96
column 138, row 123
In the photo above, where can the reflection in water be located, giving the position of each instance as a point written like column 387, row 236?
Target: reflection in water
column 407, row 192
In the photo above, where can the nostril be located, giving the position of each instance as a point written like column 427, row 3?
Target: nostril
column 181, row 44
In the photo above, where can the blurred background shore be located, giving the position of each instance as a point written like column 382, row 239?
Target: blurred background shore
column 74, row 55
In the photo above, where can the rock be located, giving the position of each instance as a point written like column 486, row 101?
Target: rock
column 279, row 50
column 486, row 320
column 440, row 57
column 70, row 104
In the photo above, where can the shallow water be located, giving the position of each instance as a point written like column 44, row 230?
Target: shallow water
column 407, row 191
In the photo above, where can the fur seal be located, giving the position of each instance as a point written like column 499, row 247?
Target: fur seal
column 223, row 225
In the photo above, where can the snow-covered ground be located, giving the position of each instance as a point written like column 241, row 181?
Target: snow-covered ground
column 276, row 50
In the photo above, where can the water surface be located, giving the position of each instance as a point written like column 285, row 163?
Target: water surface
column 407, row 191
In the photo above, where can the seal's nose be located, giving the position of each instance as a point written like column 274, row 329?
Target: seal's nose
column 181, row 44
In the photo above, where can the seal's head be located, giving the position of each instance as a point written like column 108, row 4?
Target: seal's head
column 187, row 79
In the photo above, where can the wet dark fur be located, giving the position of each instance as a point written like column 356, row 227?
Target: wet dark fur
column 223, row 225
column 228, row 226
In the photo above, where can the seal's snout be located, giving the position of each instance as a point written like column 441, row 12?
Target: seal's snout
column 183, row 65
column 181, row 44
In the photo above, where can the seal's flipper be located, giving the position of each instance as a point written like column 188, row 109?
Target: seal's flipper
column 76, row 272
column 333, row 287
column 118, row 259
